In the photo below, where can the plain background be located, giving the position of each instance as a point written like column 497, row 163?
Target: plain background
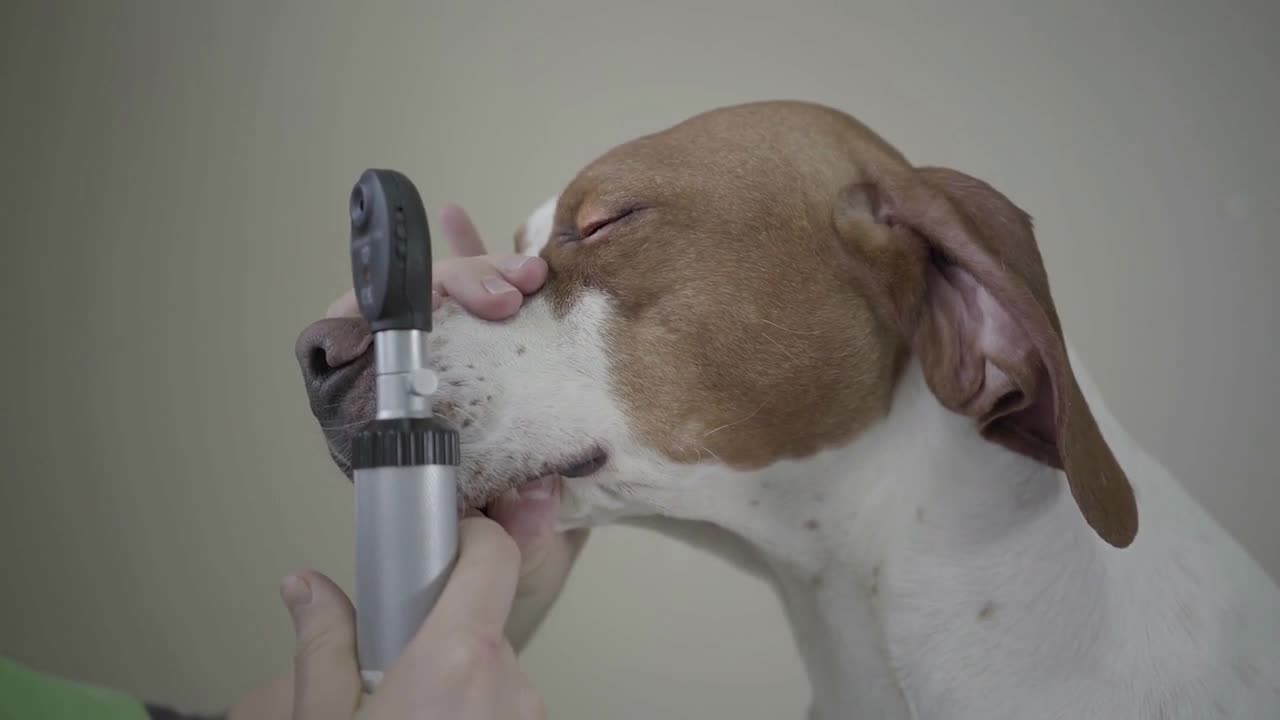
column 174, row 185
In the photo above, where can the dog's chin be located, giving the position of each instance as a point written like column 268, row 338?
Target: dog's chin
column 481, row 484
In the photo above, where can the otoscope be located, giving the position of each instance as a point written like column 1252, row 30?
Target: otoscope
column 405, row 460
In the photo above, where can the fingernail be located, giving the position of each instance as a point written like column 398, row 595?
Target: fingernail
column 497, row 286
column 436, row 300
column 295, row 591
column 513, row 263
column 539, row 489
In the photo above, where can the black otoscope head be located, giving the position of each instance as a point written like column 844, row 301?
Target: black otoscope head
column 390, row 252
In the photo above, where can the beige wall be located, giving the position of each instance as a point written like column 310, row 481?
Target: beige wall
column 174, row 179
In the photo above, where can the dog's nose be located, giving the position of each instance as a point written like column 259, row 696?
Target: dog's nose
column 331, row 353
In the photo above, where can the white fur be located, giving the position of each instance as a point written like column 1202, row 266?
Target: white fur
column 945, row 578
column 538, row 227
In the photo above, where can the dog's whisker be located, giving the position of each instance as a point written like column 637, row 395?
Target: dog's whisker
column 329, row 406
column 794, row 359
column 736, row 422
column 358, row 408
column 794, row 332
column 343, row 426
column 458, row 409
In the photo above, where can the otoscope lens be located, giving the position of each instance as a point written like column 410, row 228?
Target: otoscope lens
column 359, row 210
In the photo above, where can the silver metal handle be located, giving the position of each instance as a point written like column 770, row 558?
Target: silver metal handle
column 406, row 547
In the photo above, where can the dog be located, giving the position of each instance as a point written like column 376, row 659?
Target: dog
column 766, row 332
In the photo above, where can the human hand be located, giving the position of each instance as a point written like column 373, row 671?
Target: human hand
column 459, row 666
column 491, row 287
column 488, row 286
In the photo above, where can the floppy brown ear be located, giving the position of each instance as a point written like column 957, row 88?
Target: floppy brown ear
column 955, row 265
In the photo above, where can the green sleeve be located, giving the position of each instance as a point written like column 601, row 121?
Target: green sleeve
column 26, row 694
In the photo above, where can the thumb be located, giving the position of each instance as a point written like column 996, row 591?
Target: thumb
column 326, row 678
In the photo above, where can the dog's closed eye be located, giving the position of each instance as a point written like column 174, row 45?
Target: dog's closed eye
column 595, row 229
column 597, row 225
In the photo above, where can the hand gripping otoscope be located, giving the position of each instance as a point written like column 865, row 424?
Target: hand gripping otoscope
column 405, row 460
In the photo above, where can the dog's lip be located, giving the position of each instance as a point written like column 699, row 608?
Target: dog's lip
column 581, row 465
column 594, row 462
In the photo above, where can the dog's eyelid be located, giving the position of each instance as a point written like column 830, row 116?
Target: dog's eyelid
column 595, row 226
column 566, row 234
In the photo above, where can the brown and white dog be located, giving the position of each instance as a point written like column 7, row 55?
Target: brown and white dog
column 849, row 372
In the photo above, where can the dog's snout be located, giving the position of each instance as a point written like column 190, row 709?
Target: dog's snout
column 328, row 349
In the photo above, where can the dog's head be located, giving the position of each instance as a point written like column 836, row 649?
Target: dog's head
column 742, row 288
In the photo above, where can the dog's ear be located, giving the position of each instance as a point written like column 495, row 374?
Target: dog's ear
column 954, row 264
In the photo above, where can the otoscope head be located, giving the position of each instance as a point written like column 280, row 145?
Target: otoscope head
column 390, row 252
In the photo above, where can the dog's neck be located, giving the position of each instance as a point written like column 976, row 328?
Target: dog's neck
column 919, row 509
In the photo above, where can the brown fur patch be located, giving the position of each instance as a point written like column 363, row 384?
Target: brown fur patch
column 725, row 264
column 781, row 260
